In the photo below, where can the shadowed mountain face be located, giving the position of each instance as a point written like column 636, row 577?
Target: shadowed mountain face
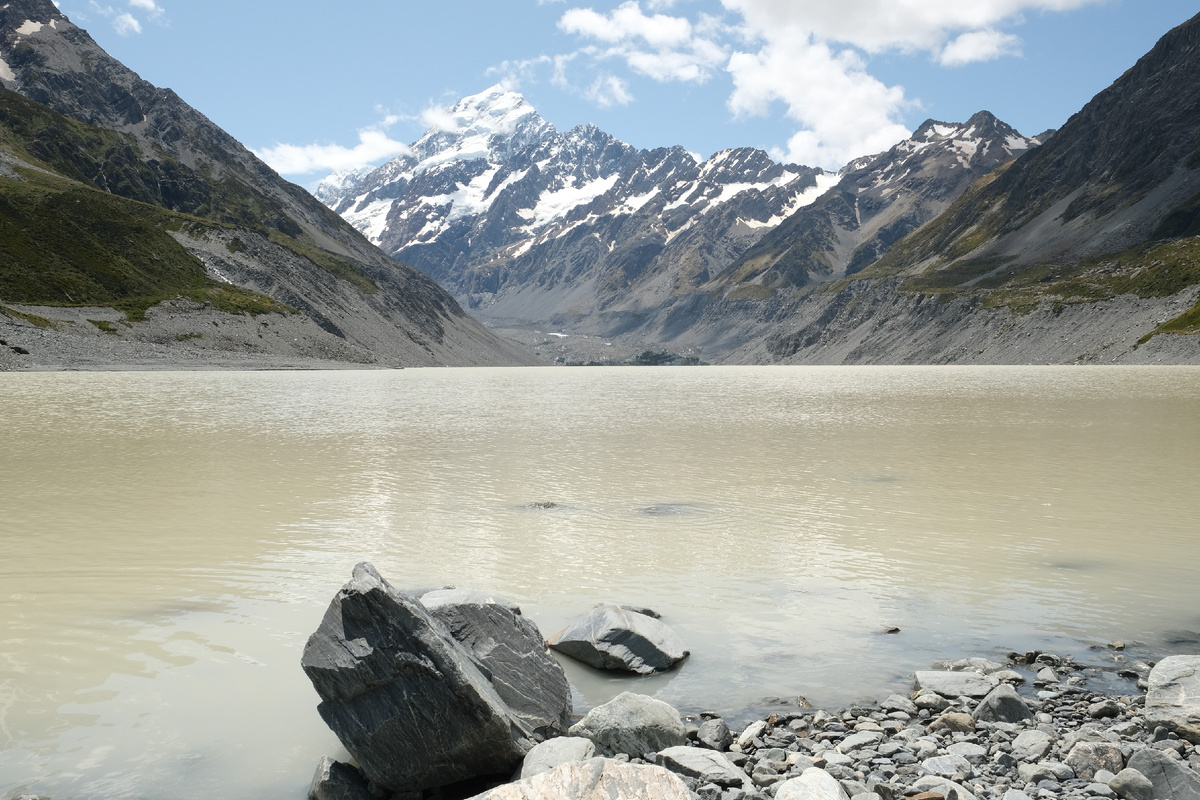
column 878, row 202
column 525, row 223
column 167, row 154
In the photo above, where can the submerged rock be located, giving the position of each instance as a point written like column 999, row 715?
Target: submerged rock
column 611, row 637
column 411, row 704
column 597, row 779
column 1002, row 704
column 633, row 724
column 956, row 684
column 511, row 647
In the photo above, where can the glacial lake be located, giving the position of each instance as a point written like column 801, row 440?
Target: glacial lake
column 169, row 540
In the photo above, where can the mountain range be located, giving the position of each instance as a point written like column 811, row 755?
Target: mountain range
column 134, row 230
column 966, row 242
column 118, row 195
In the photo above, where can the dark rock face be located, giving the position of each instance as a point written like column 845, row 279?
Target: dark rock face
column 510, row 646
column 412, row 705
column 609, row 637
column 337, row 781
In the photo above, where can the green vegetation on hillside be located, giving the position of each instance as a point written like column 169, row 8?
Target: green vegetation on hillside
column 93, row 228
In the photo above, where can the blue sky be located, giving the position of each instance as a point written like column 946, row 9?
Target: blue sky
column 313, row 86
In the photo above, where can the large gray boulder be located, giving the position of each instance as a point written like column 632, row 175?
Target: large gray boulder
column 597, row 779
column 956, row 684
column 528, row 679
column 1173, row 696
column 633, row 724
column 553, row 753
column 1171, row 780
column 1129, row 784
column 1002, row 704
column 412, row 705
column 611, row 637
column 1032, row 745
column 707, row 766
column 813, row 784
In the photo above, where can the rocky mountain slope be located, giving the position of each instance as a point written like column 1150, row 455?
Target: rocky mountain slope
column 526, row 224
column 1087, row 248
column 127, row 197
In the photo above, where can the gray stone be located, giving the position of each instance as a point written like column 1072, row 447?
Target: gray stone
column 1099, row 790
column 1132, row 785
column 707, row 766
column 943, row 786
column 714, row 734
column 1171, row 780
column 528, row 679
column 1088, row 758
column 857, row 741
column 751, row 732
column 955, row 722
column 1105, row 709
column 813, row 784
column 412, row 705
column 1046, row 676
column 553, row 753
column 609, row 637
column 931, row 701
column 957, row 684
column 982, row 665
column 597, row 779
column 1032, row 745
column 633, row 724
column 1045, row 770
column 1009, row 676
column 337, row 781
column 970, row 751
column 948, row 766
column 1103, row 776
column 1015, row 794
column 1173, row 696
column 1002, row 704
column 897, row 702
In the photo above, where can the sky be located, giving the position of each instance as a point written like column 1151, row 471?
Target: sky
column 313, row 86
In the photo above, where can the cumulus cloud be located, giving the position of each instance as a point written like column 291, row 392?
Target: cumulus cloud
column 979, row 46
column 659, row 46
column 810, row 57
column 608, row 91
column 148, row 6
column 374, row 146
column 125, row 24
column 513, row 74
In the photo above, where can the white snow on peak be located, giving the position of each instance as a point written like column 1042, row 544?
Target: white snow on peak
column 1017, row 143
column 941, row 130
column 6, row 71
column 466, row 131
column 556, row 204
column 341, row 183
column 29, row 27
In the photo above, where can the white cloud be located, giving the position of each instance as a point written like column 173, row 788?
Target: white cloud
column 374, row 146
column 808, row 56
column 512, row 74
column 125, row 24
column 608, row 91
column 979, row 46
column 148, row 6
column 658, row 46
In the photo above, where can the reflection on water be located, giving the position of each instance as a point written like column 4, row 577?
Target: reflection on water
column 169, row 540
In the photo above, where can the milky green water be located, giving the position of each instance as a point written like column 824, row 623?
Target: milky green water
column 169, row 540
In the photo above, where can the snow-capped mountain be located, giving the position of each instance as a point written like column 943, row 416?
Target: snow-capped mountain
column 879, row 201
column 524, row 222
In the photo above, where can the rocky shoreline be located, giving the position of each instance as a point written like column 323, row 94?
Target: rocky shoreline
column 436, row 700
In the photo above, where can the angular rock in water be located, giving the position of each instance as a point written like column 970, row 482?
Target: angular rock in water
column 553, row 753
column 337, row 781
column 597, row 779
column 957, row 684
column 1002, row 704
column 1170, row 779
column 609, row 637
column 1173, row 697
column 411, row 704
column 813, row 784
column 633, row 724
column 707, row 766
column 528, row 679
